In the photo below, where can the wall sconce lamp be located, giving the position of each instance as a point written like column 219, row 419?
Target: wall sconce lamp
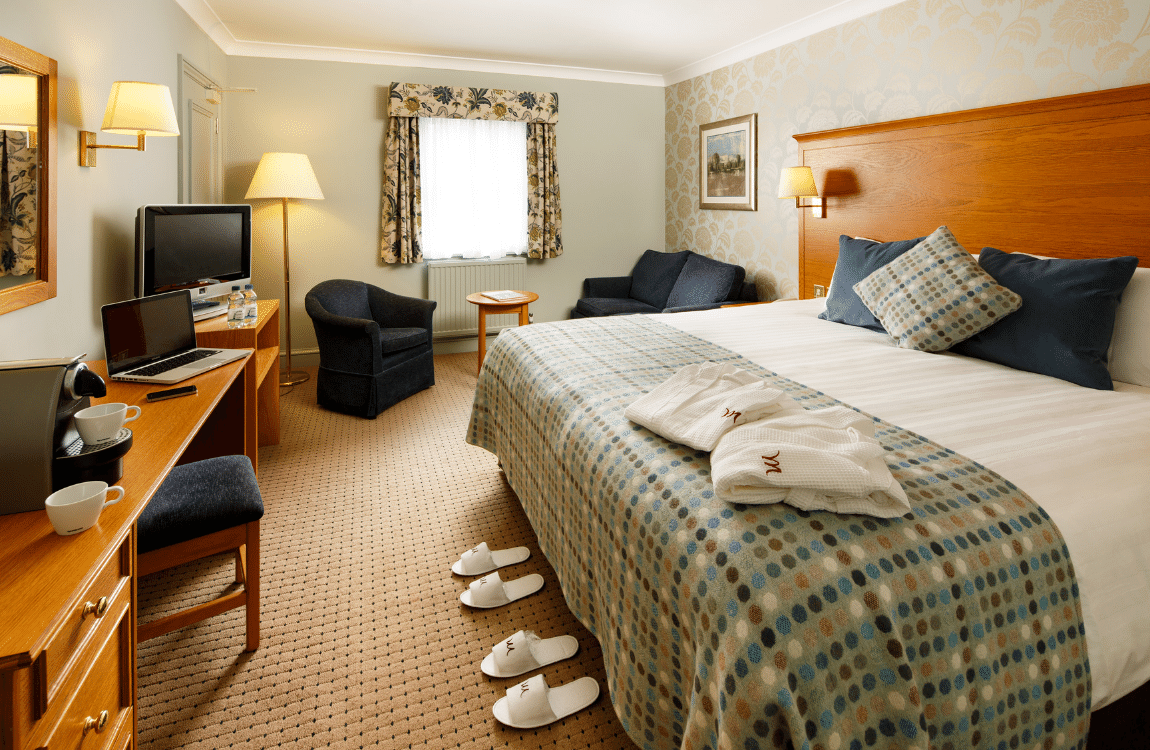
column 134, row 108
column 798, row 183
column 19, row 105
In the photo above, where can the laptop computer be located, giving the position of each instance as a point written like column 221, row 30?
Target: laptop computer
column 153, row 340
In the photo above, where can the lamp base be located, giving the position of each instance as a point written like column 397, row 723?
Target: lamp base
column 293, row 377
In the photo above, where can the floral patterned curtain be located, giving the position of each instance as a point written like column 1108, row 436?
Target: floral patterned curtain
column 17, row 204
column 402, row 219
column 544, row 217
column 401, row 206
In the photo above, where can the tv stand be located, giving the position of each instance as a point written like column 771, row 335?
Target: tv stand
column 261, row 382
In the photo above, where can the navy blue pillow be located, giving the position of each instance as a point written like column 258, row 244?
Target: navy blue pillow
column 1064, row 326
column 858, row 259
column 704, row 281
column 655, row 275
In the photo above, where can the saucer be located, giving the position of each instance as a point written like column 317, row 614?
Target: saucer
column 83, row 447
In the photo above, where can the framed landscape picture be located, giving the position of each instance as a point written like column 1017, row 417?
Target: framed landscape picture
column 728, row 167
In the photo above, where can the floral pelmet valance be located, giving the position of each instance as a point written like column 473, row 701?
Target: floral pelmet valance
column 463, row 103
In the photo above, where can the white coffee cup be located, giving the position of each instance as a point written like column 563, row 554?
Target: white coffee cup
column 98, row 424
column 77, row 508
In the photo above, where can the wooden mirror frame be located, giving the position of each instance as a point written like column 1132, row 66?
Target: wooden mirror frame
column 44, row 286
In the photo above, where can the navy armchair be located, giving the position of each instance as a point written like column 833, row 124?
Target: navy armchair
column 666, row 282
column 374, row 346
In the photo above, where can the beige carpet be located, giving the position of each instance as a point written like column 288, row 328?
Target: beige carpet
column 364, row 642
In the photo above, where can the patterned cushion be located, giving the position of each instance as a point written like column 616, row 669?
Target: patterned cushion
column 935, row 295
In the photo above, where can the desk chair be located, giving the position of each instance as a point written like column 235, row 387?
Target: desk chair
column 202, row 509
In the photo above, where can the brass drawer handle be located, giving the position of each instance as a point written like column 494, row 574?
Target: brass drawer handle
column 99, row 609
column 97, row 724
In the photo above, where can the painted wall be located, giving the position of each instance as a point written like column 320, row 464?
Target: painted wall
column 611, row 172
column 912, row 59
column 95, row 45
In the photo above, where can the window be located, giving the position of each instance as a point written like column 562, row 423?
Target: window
column 473, row 186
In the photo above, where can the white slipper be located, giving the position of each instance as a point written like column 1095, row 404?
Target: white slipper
column 479, row 560
column 490, row 590
column 532, row 704
column 525, row 652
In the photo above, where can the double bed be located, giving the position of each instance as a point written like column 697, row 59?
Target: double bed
column 1005, row 609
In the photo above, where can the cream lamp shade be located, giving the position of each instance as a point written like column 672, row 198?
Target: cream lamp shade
column 135, row 107
column 18, row 102
column 797, row 182
column 282, row 175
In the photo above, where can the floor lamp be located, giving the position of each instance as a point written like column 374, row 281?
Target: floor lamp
column 285, row 176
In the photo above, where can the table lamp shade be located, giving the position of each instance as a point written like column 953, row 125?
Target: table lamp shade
column 797, row 182
column 18, row 100
column 282, row 175
column 135, row 107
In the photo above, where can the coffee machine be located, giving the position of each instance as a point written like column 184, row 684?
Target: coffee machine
column 40, row 448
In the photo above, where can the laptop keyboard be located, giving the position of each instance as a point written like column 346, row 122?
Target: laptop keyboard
column 179, row 361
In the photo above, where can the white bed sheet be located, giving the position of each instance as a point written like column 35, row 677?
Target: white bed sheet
column 1082, row 454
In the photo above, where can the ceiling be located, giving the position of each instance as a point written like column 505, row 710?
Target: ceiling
column 647, row 42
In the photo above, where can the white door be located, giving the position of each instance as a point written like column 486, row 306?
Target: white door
column 200, row 162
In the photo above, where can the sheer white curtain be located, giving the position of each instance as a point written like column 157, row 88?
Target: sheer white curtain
column 473, row 186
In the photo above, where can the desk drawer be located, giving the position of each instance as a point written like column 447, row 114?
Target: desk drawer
column 98, row 713
column 101, row 603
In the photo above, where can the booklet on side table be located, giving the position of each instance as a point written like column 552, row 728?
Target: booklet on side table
column 505, row 295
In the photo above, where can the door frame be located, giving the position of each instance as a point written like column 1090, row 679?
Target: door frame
column 187, row 70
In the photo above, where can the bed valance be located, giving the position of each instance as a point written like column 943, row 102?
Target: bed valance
column 469, row 103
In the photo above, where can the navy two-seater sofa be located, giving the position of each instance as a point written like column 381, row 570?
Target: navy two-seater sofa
column 666, row 282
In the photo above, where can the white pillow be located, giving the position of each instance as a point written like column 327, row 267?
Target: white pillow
column 1130, row 345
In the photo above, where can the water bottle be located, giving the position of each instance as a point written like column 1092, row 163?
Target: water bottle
column 235, row 308
column 251, row 311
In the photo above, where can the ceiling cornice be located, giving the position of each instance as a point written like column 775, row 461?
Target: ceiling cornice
column 444, row 62
column 848, row 10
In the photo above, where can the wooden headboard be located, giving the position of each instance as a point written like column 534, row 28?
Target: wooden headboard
column 1066, row 177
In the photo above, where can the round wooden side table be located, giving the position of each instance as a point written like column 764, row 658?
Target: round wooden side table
column 488, row 306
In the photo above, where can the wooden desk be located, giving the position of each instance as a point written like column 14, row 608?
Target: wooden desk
column 263, row 379
column 59, row 663
column 488, row 306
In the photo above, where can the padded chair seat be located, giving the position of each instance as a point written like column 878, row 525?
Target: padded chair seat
column 593, row 307
column 398, row 339
column 200, row 498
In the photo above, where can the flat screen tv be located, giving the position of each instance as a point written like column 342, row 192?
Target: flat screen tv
column 205, row 249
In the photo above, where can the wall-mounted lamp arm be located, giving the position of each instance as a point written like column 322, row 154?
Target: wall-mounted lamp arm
column 88, row 142
column 134, row 108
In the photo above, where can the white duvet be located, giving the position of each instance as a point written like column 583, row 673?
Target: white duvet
column 1083, row 455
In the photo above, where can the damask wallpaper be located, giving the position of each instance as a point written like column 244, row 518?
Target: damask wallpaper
column 917, row 58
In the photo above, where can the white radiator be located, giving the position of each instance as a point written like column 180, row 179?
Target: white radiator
column 450, row 281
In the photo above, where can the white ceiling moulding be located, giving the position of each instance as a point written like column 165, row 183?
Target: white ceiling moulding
column 415, row 60
column 204, row 17
column 210, row 23
column 848, row 10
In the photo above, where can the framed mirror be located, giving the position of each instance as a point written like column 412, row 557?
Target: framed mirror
column 27, row 177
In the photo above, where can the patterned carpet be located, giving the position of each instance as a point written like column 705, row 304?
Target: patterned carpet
column 364, row 642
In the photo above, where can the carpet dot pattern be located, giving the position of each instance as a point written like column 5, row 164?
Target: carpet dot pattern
column 364, row 642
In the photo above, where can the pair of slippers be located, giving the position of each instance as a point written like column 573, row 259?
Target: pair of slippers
column 533, row 703
column 492, row 591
